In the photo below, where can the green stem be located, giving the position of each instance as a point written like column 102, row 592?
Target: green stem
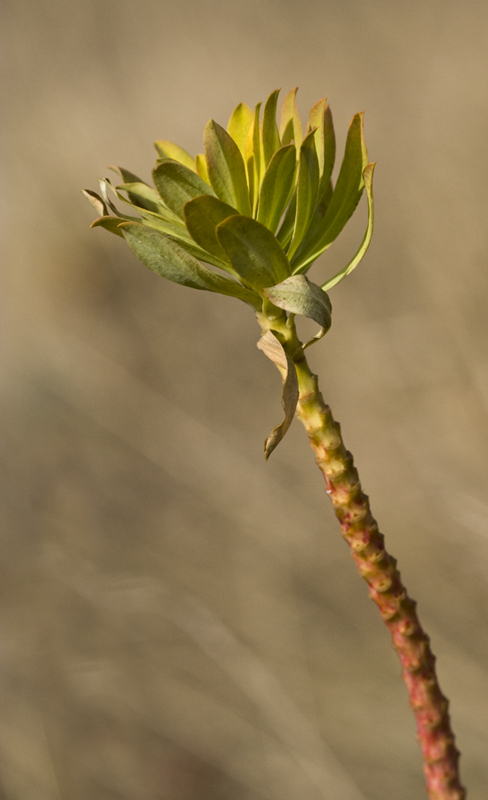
column 378, row 568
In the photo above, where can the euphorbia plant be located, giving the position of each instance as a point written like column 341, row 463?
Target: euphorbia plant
column 247, row 219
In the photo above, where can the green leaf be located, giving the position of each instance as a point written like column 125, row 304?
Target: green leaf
column 239, row 124
column 307, row 190
column 109, row 223
column 285, row 231
column 142, row 196
column 105, row 187
column 271, row 136
column 177, row 184
column 174, row 151
column 226, row 167
column 274, row 350
column 290, row 124
column 253, row 251
column 298, row 295
column 96, row 201
column 277, row 187
column 171, row 261
column 346, row 196
column 202, row 215
column 179, row 234
column 201, row 167
column 368, row 183
column 321, row 119
column 254, row 159
column 127, row 177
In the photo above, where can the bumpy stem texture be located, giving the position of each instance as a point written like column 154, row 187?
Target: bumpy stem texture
column 386, row 589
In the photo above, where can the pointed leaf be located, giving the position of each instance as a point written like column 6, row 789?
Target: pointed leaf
column 239, row 124
column 127, row 177
column 368, row 183
column 321, row 119
column 201, row 167
column 179, row 234
column 109, row 223
column 298, row 295
column 253, row 251
column 285, row 231
column 202, row 215
column 307, row 190
column 96, row 201
column 277, row 187
column 346, row 196
column 171, row 261
column 254, row 159
column 177, row 184
column 169, row 150
column 142, row 196
column 271, row 136
column 226, row 168
column 290, row 124
column 274, row 350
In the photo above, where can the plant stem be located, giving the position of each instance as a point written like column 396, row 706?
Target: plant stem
column 378, row 568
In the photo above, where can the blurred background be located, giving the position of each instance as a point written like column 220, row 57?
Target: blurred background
column 181, row 620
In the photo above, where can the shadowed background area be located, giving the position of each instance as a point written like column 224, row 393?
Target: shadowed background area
column 182, row 621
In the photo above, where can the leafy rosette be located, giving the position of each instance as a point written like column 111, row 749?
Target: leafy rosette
column 249, row 216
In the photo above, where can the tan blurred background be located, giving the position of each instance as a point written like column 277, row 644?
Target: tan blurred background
column 182, row 621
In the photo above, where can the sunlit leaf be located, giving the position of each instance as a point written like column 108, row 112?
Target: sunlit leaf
column 142, row 195
column 226, row 167
column 346, row 196
column 254, row 158
column 171, row 261
column 126, row 175
column 96, row 201
column 253, row 251
column 321, row 119
column 285, row 231
column 307, row 190
column 177, row 184
column 368, row 183
column 271, row 136
column 109, row 223
column 298, row 295
column 290, row 124
column 239, row 124
column 169, row 150
column 202, row 215
column 201, row 167
column 277, row 187
column 274, row 350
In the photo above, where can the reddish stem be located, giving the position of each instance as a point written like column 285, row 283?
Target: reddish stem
column 386, row 589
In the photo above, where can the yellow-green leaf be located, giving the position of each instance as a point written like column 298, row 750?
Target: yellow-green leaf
column 226, row 167
column 170, row 150
column 307, row 190
column 321, row 119
column 271, row 136
column 239, row 124
column 109, row 223
column 171, row 261
column 368, row 183
column 253, row 251
column 290, row 124
column 202, row 215
column 346, row 196
column 201, row 167
column 177, row 184
column 277, row 187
